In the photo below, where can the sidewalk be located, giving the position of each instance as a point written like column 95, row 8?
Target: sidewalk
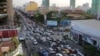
column 20, row 51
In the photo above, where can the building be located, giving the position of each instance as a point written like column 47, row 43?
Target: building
column 54, row 8
column 84, row 8
column 45, row 3
column 86, row 32
column 96, row 8
column 31, row 6
column 72, row 4
column 6, row 47
column 6, row 12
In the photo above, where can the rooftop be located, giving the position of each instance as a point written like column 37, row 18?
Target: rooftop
column 91, row 27
column 90, row 23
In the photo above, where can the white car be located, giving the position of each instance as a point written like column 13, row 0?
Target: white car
column 35, row 42
column 51, row 50
column 59, row 54
column 32, row 38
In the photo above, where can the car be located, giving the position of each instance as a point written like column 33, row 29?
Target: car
column 48, row 38
column 32, row 38
column 21, row 38
column 28, row 34
column 35, row 42
column 51, row 50
column 46, row 33
column 59, row 54
column 44, row 52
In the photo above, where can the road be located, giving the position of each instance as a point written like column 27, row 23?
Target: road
column 26, row 43
column 28, row 27
column 28, row 47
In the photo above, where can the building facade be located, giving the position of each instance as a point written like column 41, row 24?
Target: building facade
column 54, row 8
column 6, row 11
column 31, row 6
column 86, row 32
column 45, row 3
column 85, row 7
column 72, row 4
column 96, row 8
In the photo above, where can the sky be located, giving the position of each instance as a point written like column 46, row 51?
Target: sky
column 60, row 3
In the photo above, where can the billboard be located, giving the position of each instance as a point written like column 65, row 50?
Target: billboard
column 8, row 33
column 52, row 23
column 65, row 22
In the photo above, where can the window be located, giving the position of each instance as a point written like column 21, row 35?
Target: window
column 75, row 36
column 94, row 42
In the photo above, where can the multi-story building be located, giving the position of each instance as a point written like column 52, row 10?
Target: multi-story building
column 45, row 3
column 72, row 4
column 31, row 6
column 84, row 8
column 54, row 8
column 96, row 8
column 45, row 6
column 6, row 11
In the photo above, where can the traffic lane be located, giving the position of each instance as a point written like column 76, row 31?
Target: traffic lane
column 59, row 35
column 24, row 48
column 30, row 46
column 26, row 42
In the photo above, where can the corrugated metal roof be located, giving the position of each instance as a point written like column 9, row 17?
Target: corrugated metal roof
column 91, row 27
column 89, row 23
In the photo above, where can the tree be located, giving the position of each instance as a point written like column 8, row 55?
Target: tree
column 15, row 41
column 88, row 15
column 39, row 17
column 69, row 17
column 89, row 50
column 64, row 14
column 51, row 14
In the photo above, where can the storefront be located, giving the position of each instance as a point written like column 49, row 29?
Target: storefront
column 81, row 38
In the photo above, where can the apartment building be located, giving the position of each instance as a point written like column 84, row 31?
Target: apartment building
column 6, row 12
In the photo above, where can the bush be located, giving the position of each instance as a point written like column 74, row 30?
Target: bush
column 89, row 50
column 15, row 41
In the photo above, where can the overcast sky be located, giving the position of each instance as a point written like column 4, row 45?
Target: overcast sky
column 61, row 3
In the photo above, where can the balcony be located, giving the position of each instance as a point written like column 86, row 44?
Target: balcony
column 3, row 7
column 3, row 3
column 3, row 15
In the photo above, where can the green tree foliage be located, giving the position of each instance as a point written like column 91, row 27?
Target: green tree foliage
column 15, row 41
column 39, row 17
column 51, row 15
column 89, row 50
column 88, row 16
column 64, row 14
